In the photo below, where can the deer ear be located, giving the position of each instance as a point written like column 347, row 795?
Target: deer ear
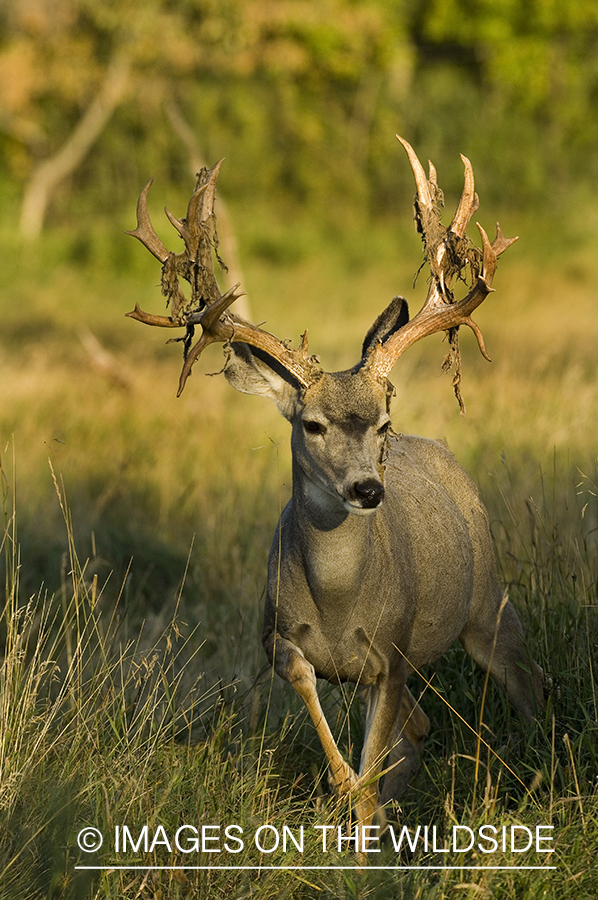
column 253, row 371
column 394, row 317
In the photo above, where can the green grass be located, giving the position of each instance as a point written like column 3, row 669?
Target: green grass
column 133, row 685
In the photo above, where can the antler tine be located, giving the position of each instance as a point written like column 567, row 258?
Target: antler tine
column 209, row 195
column 145, row 230
column 181, row 224
column 500, row 242
column 421, row 182
column 216, row 328
column 493, row 250
column 148, row 319
column 432, row 176
column 468, row 204
column 199, row 210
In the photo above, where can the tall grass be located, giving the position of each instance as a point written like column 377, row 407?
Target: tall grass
column 100, row 730
column 97, row 730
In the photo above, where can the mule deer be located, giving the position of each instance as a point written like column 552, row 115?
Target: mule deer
column 383, row 556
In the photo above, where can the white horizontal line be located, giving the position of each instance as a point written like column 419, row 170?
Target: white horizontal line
column 313, row 868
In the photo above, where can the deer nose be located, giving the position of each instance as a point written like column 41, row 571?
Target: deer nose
column 369, row 492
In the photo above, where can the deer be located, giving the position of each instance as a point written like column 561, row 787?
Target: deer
column 383, row 557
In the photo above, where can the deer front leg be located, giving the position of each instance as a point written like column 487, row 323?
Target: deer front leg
column 290, row 663
column 389, row 703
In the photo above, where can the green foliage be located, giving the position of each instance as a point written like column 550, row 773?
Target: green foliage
column 304, row 96
column 536, row 64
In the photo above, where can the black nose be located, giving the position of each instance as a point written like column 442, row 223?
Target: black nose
column 369, row 493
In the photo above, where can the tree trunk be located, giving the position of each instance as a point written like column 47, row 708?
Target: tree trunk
column 50, row 172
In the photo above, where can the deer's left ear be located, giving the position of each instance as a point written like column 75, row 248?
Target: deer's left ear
column 394, row 317
column 252, row 371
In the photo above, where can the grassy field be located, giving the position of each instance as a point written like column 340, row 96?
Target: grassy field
column 134, row 689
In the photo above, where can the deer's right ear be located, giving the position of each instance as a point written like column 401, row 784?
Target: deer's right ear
column 253, row 371
column 394, row 317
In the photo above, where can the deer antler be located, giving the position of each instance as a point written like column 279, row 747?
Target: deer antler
column 207, row 306
column 449, row 252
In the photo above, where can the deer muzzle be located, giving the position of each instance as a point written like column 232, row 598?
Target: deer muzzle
column 367, row 494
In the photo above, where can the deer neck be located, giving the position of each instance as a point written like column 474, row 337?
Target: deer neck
column 335, row 545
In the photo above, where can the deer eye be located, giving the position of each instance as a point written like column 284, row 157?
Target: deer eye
column 313, row 427
column 383, row 430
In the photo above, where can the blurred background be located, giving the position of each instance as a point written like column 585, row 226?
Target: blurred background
column 303, row 98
